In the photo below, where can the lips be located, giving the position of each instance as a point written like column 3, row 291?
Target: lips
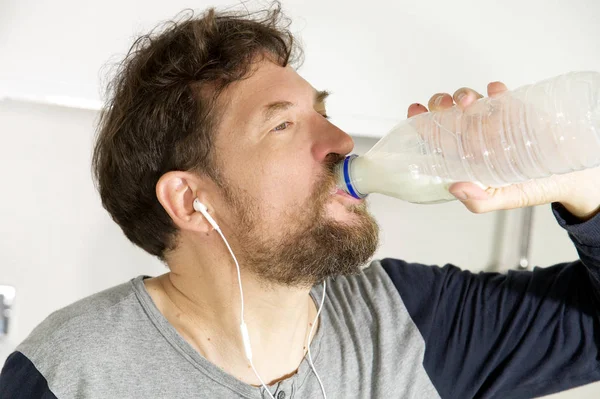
column 339, row 193
column 335, row 190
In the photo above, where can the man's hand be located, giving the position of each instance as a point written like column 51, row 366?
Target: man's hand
column 579, row 192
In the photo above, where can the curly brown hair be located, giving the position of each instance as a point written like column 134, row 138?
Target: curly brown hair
column 161, row 111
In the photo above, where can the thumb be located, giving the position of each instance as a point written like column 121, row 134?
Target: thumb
column 534, row 192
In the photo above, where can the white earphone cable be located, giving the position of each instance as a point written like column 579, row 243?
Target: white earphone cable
column 238, row 273
column 244, row 328
column 310, row 361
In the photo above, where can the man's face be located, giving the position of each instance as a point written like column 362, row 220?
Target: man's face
column 275, row 151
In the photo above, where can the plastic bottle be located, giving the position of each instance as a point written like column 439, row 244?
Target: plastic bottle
column 551, row 127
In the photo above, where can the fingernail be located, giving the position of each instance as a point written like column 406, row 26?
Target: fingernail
column 461, row 195
column 460, row 96
column 438, row 100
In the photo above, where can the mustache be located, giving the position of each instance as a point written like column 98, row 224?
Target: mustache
column 331, row 160
column 327, row 180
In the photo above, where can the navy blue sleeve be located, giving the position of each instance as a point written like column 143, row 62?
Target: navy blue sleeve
column 20, row 379
column 517, row 335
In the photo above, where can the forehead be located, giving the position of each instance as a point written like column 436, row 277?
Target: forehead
column 268, row 82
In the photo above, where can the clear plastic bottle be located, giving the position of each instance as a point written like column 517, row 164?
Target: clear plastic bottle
column 551, row 127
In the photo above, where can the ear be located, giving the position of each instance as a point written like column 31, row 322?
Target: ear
column 176, row 192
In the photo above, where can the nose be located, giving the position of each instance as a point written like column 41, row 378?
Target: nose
column 330, row 139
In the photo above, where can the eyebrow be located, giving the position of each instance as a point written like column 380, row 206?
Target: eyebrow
column 321, row 96
column 270, row 110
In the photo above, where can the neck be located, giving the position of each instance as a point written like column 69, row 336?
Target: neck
column 202, row 301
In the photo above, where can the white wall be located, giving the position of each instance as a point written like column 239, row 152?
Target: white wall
column 57, row 244
column 376, row 56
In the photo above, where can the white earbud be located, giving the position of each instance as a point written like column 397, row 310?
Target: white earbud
column 200, row 207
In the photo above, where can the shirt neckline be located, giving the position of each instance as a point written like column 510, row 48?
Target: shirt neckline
column 211, row 370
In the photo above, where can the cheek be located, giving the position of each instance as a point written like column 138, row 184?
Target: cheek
column 282, row 180
column 285, row 186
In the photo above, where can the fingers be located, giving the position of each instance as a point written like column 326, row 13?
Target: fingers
column 440, row 101
column 416, row 109
column 464, row 97
column 478, row 200
column 494, row 89
column 519, row 195
column 468, row 191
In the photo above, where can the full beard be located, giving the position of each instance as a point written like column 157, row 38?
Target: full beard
column 317, row 248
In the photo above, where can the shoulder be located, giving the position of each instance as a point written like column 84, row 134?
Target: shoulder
column 81, row 328
column 372, row 282
column 385, row 281
column 68, row 341
column 382, row 274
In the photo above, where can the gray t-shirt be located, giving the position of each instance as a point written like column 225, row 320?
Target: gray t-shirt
column 116, row 344
column 396, row 330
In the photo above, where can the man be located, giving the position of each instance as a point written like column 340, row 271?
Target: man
column 209, row 111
